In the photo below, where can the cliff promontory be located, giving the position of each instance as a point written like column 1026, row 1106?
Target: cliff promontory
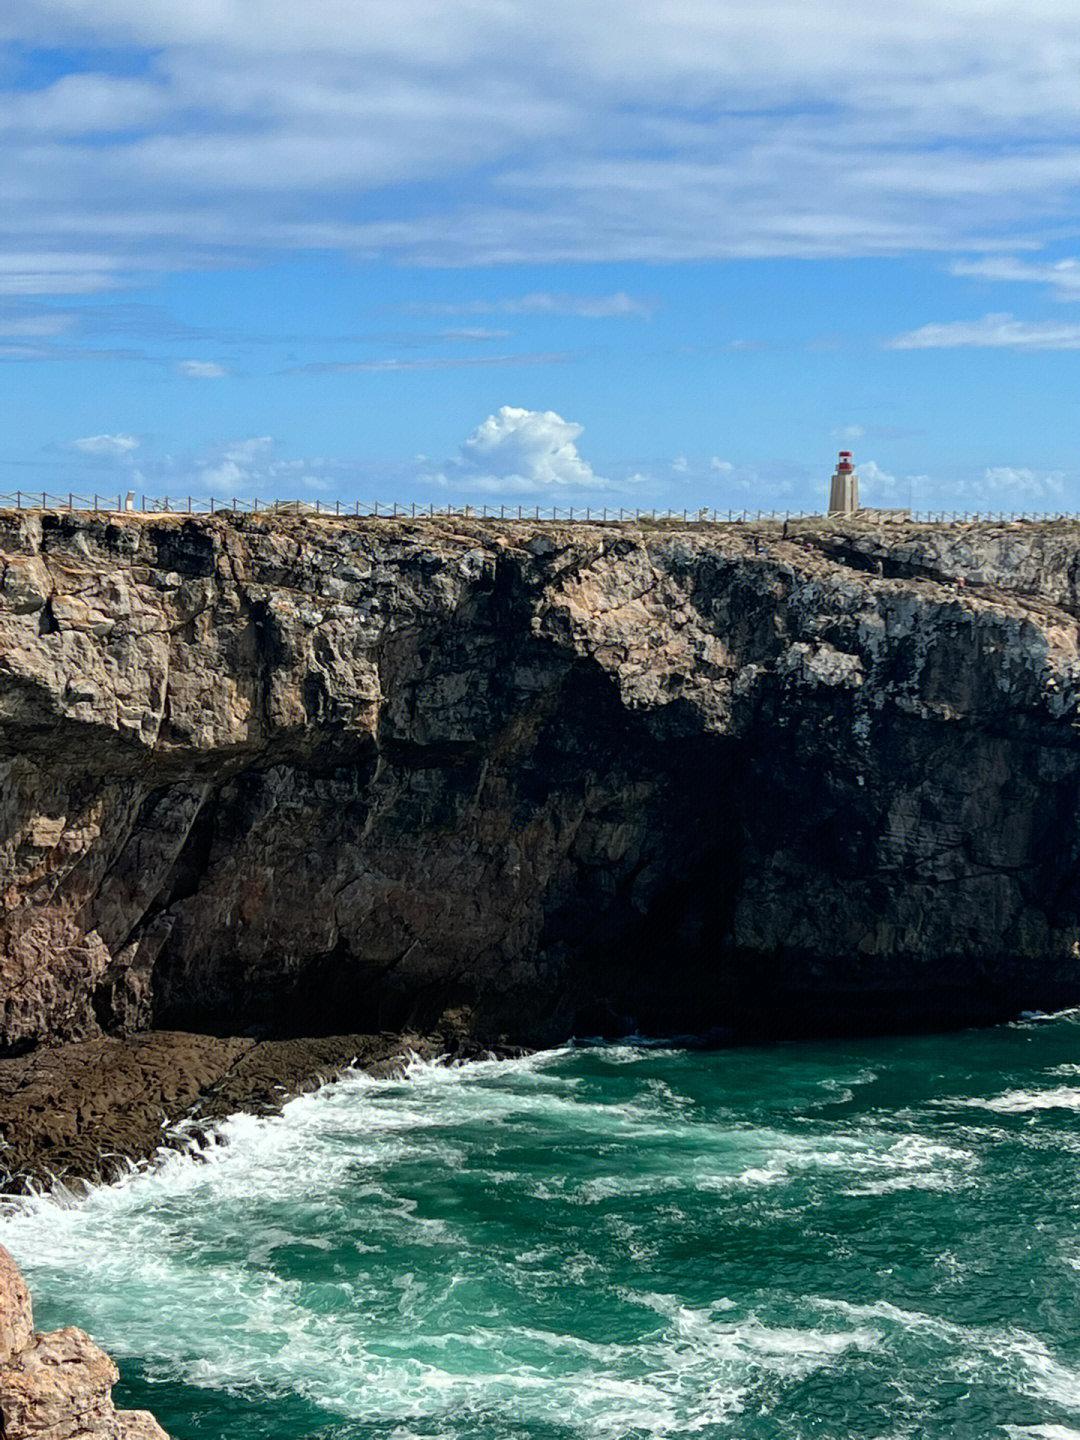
column 271, row 776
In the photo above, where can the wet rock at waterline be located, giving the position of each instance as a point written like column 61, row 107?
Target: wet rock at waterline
column 90, row 1110
column 287, row 776
column 57, row 1386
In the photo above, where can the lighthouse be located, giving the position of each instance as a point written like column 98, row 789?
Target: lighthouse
column 844, row 487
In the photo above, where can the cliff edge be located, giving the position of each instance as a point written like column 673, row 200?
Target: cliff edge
column 275, row 775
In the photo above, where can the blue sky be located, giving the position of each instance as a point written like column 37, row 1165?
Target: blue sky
column 617, row 253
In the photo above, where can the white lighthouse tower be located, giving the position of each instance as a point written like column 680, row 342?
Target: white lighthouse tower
column 844, row 487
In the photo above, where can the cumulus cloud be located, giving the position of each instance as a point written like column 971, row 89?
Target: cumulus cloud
column 992, row 332
column 200, row 369
column 518, row 452
column 876, row 484
column 1012, row 481
column 113, row 447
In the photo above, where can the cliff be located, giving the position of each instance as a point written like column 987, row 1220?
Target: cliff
column 284, row 776
column 57, row 1386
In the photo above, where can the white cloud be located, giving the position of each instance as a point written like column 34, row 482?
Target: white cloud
column 721, row 467
column 620, row 306
column 1019, row 482
column 875, row 483
column 49, row 272
column 237, row 466
column 113, row 446
column 1062, row 276
column 849, row 432
column 394, row 365
column 757, row 127
column 991, row 332
column 519, row 452
column 40, row 325
column 200, row 369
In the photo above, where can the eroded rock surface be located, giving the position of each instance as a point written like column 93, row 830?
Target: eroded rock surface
column 90, row 1109
column 279, row 776
column 57, row 1386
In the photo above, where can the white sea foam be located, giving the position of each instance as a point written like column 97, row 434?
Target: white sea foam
column 1022, row 1102
column 985, row 1352
column 144, row 1262
column 334, row 1248
column 1031, row 1018
column 1042, row 1432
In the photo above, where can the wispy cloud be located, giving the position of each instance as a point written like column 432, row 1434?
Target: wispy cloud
column 43, row 271
column 1061, row 276
column 113, row 447
column 200, row 369
column 430, row 362
column 618, row 306
column 995, row 332
column 503, row 133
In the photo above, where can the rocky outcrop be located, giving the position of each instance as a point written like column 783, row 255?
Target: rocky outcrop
column 92, row 1109
column 57, row 1386
column 296, row 776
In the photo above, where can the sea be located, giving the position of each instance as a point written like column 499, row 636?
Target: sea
column 873, row 1238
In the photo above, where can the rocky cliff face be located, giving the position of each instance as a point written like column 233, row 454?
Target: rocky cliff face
column 275, row 775
column 57, row 1386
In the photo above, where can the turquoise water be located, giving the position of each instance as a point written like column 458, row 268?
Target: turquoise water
column 876, row 1238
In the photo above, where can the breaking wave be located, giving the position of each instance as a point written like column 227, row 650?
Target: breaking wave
column 836, row 1240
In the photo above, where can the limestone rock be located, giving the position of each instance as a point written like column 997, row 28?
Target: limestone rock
column 57, row 1386
column 16, row 1316
column 285, row 775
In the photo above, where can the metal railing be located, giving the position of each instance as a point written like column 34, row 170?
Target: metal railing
column 213, row 505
